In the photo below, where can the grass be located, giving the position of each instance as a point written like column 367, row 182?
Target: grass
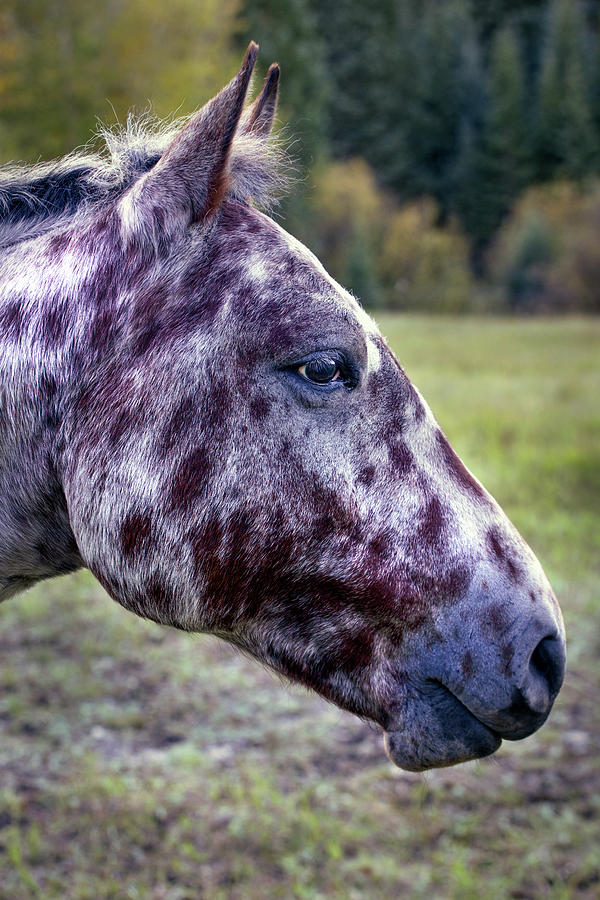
column 137, row 762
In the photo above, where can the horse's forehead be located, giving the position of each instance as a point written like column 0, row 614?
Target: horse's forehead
column 287, row 277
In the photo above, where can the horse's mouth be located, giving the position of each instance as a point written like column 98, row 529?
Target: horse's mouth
column 438, row 730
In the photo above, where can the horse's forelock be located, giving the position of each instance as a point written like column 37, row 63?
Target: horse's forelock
column 36, row 197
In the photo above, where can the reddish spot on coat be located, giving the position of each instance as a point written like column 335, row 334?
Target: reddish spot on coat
column 58, row 243
column 101, row 328
column 135, row 533
column 433, row 522
column 380, row 544
column 178, row 426
column 495, row 619
column 466, row 665
column 157, row 601
column 190, row 479
column 401, row 459
column 507, row 653
column 259, row 408
column 457, row 468
column 497, row 547
column 11, row 320
column 54, row 325
column 351, row 652
column 366, row 475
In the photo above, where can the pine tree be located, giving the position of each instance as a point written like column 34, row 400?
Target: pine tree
column 361, row 57
column 440, row 113
column 492, row 16
column 502, row 166
column 287, row 31
column 567, row 141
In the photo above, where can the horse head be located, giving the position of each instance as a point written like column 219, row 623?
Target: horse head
column 237, row 450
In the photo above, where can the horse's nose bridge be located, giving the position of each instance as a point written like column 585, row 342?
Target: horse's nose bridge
column 511, row 599
column 508, row 579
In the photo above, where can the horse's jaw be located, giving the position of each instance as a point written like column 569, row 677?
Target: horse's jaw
column 11, row 585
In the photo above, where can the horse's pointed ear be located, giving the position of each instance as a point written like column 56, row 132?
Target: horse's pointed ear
column 259, row 118
column 189, row 181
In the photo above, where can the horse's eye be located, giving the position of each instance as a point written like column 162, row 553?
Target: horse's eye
column 321, row 370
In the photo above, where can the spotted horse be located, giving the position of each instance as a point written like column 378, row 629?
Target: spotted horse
column 191, row 407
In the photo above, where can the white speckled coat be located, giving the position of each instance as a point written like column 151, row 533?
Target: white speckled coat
column 191, row 407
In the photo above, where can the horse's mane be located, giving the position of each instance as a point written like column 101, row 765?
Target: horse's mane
column 35, row 197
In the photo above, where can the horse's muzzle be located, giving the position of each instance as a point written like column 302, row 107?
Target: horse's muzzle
column 446, row 718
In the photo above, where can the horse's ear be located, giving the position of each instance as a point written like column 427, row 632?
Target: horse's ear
column 189, row 181
column 259, row 118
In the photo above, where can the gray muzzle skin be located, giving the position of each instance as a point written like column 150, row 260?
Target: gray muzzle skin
column 495, row 678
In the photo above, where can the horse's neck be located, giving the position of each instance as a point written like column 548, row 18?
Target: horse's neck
column 35, row 537
column 36, row 540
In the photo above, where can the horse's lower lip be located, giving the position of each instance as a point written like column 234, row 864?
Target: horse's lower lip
column 438, row 731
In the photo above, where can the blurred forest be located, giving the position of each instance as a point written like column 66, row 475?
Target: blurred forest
column 448, row 151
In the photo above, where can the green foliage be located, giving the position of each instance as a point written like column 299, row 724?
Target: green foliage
column 359, row 66
column 457, row 108
column 443, row 117
column 425, row 267
column 64, row 63
column 547, row 256
column 287, row 31
column 391, row 256
column 349, row 220
column 406, row 91
column 493, row 15
column 528, row 247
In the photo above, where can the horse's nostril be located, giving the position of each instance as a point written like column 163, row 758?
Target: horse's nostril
column 548, row 661
column 532, row 700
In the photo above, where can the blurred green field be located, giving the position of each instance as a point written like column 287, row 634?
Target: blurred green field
column 138, row 762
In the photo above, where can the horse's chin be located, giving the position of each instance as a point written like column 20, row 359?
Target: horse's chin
column 438, row 731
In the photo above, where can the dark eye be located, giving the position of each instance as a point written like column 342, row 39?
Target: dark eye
column 321, row 370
